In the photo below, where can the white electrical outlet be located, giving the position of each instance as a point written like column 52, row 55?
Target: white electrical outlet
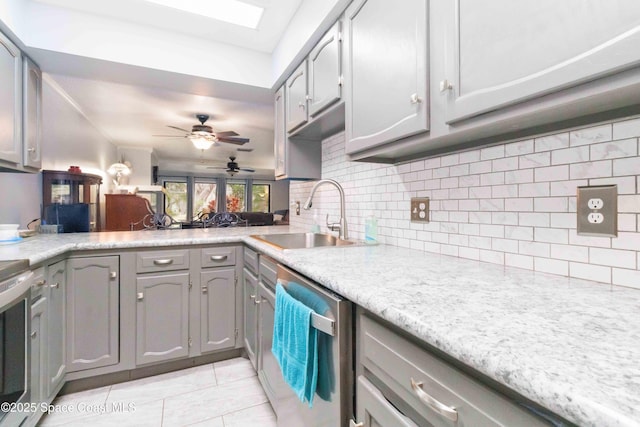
column 595, row 203
column 595, row 218
column 597, row 210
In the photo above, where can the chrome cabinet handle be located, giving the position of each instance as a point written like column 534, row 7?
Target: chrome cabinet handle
column 253, row 297
column 41, row 282
column 415, row 99
column 167, row 261
column 352, row 423
column 113, row 275
column 219, row 257
column 301, row 105
column 256, row 301
column 445, row 85
column 140, row 296
column 55, row 285
column 31, row 150
column 442, row 409
column 34, row 334
column 204, row 290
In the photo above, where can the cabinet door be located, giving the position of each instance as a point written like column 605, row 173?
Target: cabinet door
column 38, row 350
column 162, row 317
column 249, row 295
column 386, row 72
column 93, row 292
column 325, row 72
column 32, row 115
column 56, row 327
column 296, row 93
column 514, row 51
column 374, row 410
column 10, row 101
column 280, row 134
column 218, row 309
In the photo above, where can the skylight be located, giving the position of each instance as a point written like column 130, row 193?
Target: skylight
column 231, row 11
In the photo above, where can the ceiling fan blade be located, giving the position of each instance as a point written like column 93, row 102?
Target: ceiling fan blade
column 217, row 167
column 226, row 133
column 233, row 140
column 246, row 150
column 247, row 170
column 171, row 136
column 175, row 127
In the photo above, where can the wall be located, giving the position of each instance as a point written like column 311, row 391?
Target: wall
column 142, row 159
column 512, row 204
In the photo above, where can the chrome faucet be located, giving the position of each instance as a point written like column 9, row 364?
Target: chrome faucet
column 340, row 226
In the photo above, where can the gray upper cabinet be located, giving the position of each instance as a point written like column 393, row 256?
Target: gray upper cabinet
column 218, row 309
column 386, row 72
column 32, row 115
column 280, row 134
column 325, row 72
column 10, row 102
column 56, row 327
column 162, row 317
column 93, row 292
column 297, row 98
column 514, row 51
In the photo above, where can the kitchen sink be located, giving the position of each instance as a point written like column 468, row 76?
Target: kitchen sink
column 302, row 240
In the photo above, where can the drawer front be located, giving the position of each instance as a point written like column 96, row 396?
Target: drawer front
column 423, row 382
column 218, row 257
column 251, row 260
column 153, row 261
column 376, row 411
column 268, row 270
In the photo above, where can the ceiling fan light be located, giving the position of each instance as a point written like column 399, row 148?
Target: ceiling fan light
column 201, row 143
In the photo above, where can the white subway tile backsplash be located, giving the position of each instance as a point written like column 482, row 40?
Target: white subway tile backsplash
column 591, row 135
column 615, row 149
column 511, row 204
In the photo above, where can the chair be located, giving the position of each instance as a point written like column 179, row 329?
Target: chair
column 156, row 221
column 223, row 219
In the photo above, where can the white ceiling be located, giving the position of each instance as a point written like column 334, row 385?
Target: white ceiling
column 128, row 104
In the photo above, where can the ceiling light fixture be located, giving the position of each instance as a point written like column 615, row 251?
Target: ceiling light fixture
column 231, row 11
column 201, row 140
column 119, row 169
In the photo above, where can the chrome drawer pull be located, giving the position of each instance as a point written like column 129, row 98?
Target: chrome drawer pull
column 41, row 282
column 34, row 334
column 440, row 408
column 140, row 296
column 167, row 261
column 252, row 297
column 354, row 424
column 55, row 285
column 218, row 257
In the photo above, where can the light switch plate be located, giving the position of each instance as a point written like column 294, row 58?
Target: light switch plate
column 420, row 209
column 597, row 210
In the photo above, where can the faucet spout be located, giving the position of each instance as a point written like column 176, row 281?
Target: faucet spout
column 342, row 225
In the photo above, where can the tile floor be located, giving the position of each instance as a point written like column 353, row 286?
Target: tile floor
column 223, row 394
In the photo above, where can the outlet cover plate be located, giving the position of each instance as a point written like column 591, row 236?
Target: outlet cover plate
column 419, row 209
column 606, row 198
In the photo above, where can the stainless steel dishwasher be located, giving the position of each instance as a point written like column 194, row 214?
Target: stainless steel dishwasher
column 333, row 402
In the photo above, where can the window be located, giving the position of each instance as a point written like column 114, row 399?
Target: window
column 236, row 196
column 175, row 203
column 260, row 198
column 204, row 197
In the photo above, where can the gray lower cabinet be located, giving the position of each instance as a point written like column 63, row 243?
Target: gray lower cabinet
column 218, row 309
column 401, row 383
column 10, row 102
column 93, row 293
column 38, row 350
column 162, row 317
column 515, row 51
column 250, row 304
column 56, row 327
column 385, row 72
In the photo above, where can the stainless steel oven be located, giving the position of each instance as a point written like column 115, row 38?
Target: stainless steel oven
column 15, row 308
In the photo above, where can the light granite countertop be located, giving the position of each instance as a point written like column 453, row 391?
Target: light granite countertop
column 573, row 346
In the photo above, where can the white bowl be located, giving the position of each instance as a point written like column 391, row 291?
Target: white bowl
column 9, row 231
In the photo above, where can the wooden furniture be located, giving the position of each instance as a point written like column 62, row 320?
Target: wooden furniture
column 68, row 188
column 124, row 212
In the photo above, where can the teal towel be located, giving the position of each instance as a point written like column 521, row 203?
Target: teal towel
column 295, row 344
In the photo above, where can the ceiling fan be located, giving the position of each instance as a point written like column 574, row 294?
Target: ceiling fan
column 232, row 167
column 203, row 137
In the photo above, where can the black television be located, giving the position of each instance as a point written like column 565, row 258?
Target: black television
column 74, row 217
